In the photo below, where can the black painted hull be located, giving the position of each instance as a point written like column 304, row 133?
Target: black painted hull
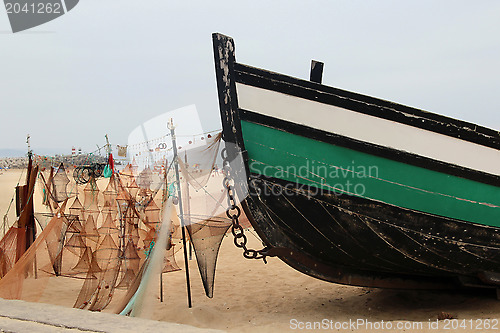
column 351, row 240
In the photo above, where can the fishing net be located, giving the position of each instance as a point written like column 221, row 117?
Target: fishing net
column 111, row 259
column 20, row 235
column 109, row 195
column 8, row 246
column 79, row 243
column 197, row 164
column 76, row 210
column 169, row 262
column 207, row 235
column 60, row 183
column 102, row 274
column 204, row 205
column 128, row 174
column 27, row 278
column 145, row 179
column 75, row 244
column 91, row 200
column 104, row 239
column 151, row 217
column 138, row 298
column 46, row 176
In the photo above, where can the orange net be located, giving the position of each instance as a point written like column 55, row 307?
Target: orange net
column 103, row 238
column 33, row 266
column 8, row 246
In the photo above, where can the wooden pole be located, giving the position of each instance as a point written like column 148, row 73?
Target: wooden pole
column 316, row 71
column 165, row 196
column 161, row 286
column 188, row 207
column 25, row 211
column 21, row 221
column 183, row 227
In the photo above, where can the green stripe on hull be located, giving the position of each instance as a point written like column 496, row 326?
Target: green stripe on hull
column 297, row 159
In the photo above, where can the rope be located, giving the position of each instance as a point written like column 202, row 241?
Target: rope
column 205, row 133
column 202, row 187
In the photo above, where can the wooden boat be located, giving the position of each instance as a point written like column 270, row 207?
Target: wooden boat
column 361, row 191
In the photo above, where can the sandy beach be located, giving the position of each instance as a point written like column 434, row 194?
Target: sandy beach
column 251, row 296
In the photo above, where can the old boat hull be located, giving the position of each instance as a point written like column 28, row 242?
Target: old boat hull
column 356, row 190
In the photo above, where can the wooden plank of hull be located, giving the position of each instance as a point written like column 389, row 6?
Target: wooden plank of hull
column 260, row 78
column 370, row 129
column 454, row 136
column 362, row 235
column 275, row 150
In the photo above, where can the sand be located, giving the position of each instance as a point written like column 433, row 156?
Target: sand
column 20, row 316
column 251, row 296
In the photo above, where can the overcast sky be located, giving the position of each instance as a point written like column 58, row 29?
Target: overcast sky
column 108, row 66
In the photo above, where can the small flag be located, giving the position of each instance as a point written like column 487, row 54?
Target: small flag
column 122, row 151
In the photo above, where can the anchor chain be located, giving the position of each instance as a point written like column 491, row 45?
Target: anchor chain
column 234, row 212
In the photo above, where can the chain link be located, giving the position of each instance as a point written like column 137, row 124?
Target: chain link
column 234, row 212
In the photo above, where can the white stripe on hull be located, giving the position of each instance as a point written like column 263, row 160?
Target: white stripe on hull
column 368, row 128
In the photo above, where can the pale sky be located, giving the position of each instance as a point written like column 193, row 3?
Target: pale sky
column 108, row 66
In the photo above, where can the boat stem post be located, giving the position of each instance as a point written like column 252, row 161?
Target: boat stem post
column 181, row 213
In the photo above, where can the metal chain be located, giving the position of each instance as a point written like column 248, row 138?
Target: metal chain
column 234, row 212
